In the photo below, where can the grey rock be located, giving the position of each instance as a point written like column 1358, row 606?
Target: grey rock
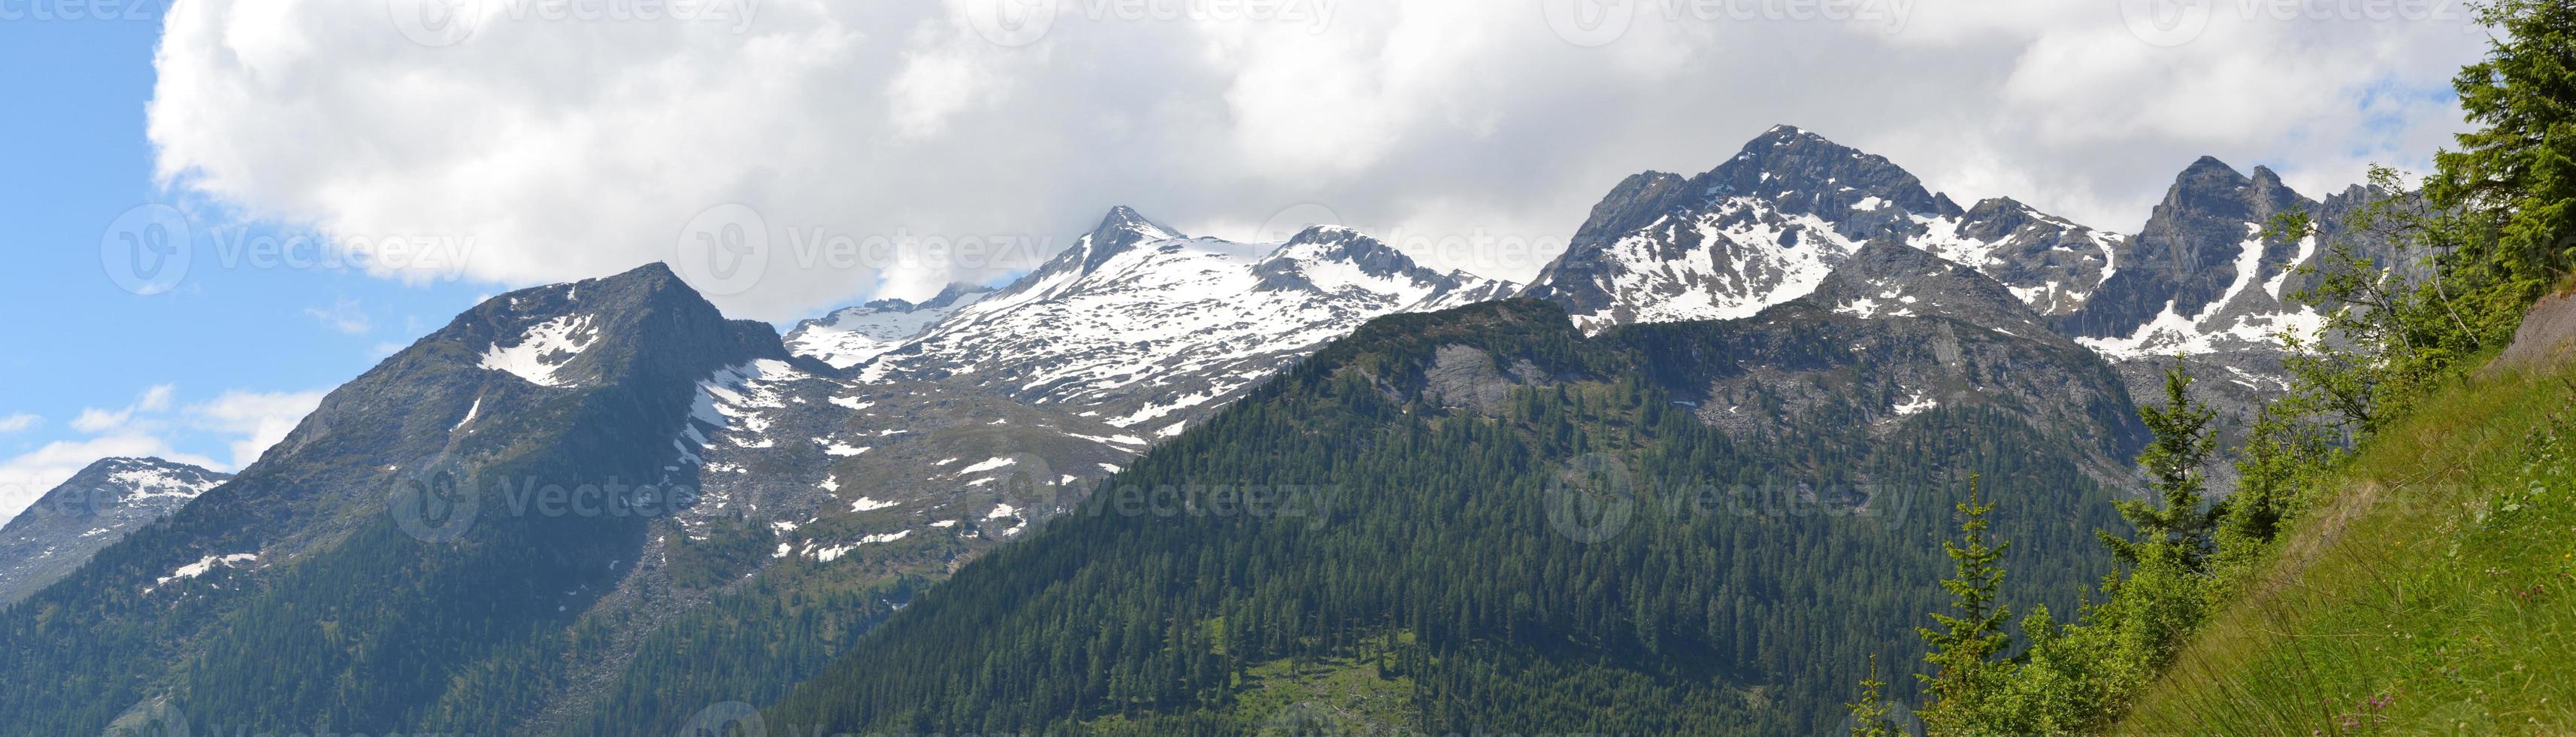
column 1759, row 229
column 93, row 509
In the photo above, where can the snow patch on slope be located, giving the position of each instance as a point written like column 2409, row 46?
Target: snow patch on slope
column 543, row 350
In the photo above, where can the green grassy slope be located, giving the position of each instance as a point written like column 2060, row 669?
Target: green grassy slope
column 2434, row 591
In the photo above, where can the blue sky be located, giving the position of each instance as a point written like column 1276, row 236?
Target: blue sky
column 235, row 346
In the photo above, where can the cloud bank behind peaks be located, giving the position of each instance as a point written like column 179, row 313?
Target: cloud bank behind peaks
column 806, row 153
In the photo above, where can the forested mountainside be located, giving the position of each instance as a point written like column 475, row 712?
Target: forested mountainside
column 1480, row 519
column 2391, row 555
column 361, row 572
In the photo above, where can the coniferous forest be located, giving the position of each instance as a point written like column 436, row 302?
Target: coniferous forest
column 1797, row 445
column 1461, row 561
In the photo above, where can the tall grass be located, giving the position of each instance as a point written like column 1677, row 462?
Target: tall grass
column 2432, row 591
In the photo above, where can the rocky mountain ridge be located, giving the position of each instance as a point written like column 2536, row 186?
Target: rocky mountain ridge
column 2203, row 278
column 91, row 510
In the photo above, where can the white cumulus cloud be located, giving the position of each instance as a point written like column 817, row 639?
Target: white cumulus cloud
column 95, row 420
column 256, row 420
column 868, row 136
column 247, row 423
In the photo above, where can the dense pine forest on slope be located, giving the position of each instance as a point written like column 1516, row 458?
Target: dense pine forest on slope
column 1575, row 553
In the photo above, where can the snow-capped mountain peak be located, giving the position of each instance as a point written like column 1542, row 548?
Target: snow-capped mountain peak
column 1145, row 328
column 852, row 335
column 94, row 508
column 1122, row 229
column 2204, row 277
column 1335, row 260
column 1768, row 224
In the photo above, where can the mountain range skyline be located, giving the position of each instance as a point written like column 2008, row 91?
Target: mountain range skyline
column 1999, row 217
column 736, row 368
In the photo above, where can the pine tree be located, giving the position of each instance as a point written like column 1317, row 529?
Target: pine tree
column 1963, row 649
column 2178, row 519
column 2516, row 174
column 1869, row 714
column 2278, row 454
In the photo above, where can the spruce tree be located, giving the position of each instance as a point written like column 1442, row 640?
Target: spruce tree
column 1869, row 714
column 1963, row 649
column 2516, row 174
column 2177, row 519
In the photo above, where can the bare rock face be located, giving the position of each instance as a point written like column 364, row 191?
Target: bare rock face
column 1466, row 376
column 1895, row 337
column 2546, row 340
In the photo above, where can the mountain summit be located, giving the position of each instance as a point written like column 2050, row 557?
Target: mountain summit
column 1767, row 225
column 2200, row 278
column 1145, row 328
column 89, row 511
